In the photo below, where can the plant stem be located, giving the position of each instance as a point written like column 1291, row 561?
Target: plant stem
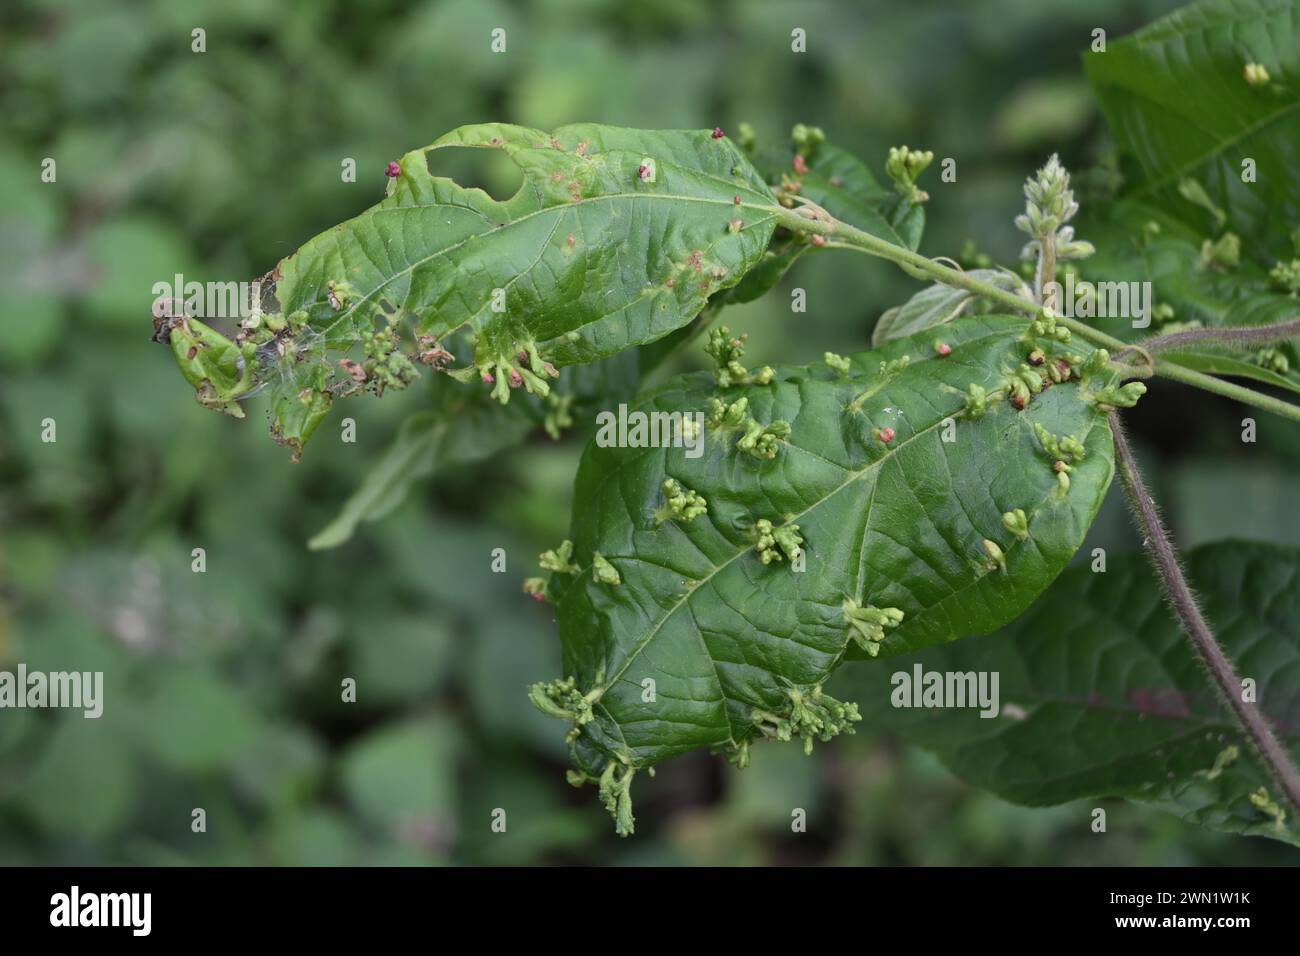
column 1046, row 273
column 815, row 220
column 1242, row 336
column 1160, row 548
column 1218, row 386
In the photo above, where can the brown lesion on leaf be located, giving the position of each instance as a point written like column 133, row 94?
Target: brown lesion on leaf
column 696, row 260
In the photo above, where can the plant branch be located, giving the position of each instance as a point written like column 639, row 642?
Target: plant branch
column 1218, row 386
column 1240, row 337
column 1164, row 557
column 811, row 218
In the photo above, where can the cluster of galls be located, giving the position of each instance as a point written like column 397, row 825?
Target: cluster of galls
column 562, row 699
column 1286, row 276
column 1108, row 397
column 812, row 715
column 557, row 561
column 867, row 624
column 681, row 503
column 760, row 441
column 523, row 368
column 384, row 364
column 1064, row 452
column 771, row 542
column 1222, row 254
column 839, row 363
column 560, row 561
column 726, row 351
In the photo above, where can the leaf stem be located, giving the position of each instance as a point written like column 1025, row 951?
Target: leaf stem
column 1164, row 557
column 813, row 219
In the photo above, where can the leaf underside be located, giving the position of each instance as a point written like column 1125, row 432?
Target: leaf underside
column 1102, row 696
column 898, row 524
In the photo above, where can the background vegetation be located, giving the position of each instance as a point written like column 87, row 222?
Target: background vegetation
column 223, row 688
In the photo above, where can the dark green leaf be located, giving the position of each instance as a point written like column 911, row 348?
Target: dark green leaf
column 1101, row 695
column 897, row 523
column 1177, row 100
column 616, row 238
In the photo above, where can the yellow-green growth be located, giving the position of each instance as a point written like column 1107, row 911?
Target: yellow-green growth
column 1227, row 756
column 977, row 398
column 1016, row 522
column 1265, row 804
column 996, row 559
column 562, row 699
column 837, row 362
column 681, row 503
column 771, row 542
column 812, row 715
column 1223, row 255
column 867, row 624
column 603, row 571
column 726, row 352
column 616, row 795
column 559, row 560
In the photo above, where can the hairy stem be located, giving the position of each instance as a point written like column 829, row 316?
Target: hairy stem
column 1160, row 548
column 1046, row 273
column 815, row 220
column 1240, row 337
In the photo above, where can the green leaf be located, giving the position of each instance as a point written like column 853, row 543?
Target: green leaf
column 844, row 186
column 615, row 238
column 1178, row 100
column 437, row 250
column 1137, row 242
column 401, row 776
column 939, row 304
column 885, row 520
column 1214, row 363
column 1101, row 695
column 426, row 442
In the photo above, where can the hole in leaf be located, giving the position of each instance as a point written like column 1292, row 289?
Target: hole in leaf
column 490, row 170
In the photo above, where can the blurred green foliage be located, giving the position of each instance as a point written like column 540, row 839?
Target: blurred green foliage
column 223, row 688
